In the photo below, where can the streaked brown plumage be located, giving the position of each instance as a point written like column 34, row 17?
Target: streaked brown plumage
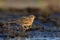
column 26, row 21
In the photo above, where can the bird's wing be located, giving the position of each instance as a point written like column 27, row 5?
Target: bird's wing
column 25, row 20
column 22, row 19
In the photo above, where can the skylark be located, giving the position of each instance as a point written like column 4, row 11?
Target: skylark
column 26, row 22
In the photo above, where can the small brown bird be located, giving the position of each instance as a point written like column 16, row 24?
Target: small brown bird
column 26, row 21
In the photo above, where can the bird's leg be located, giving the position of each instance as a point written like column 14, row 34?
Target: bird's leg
column 23, row 27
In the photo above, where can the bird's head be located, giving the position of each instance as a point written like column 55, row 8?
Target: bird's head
column 32, row 17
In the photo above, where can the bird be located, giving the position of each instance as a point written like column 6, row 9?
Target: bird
column 26, row 21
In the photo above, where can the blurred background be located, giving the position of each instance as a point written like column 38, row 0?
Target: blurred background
column 27, row 3
column 46, row 23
